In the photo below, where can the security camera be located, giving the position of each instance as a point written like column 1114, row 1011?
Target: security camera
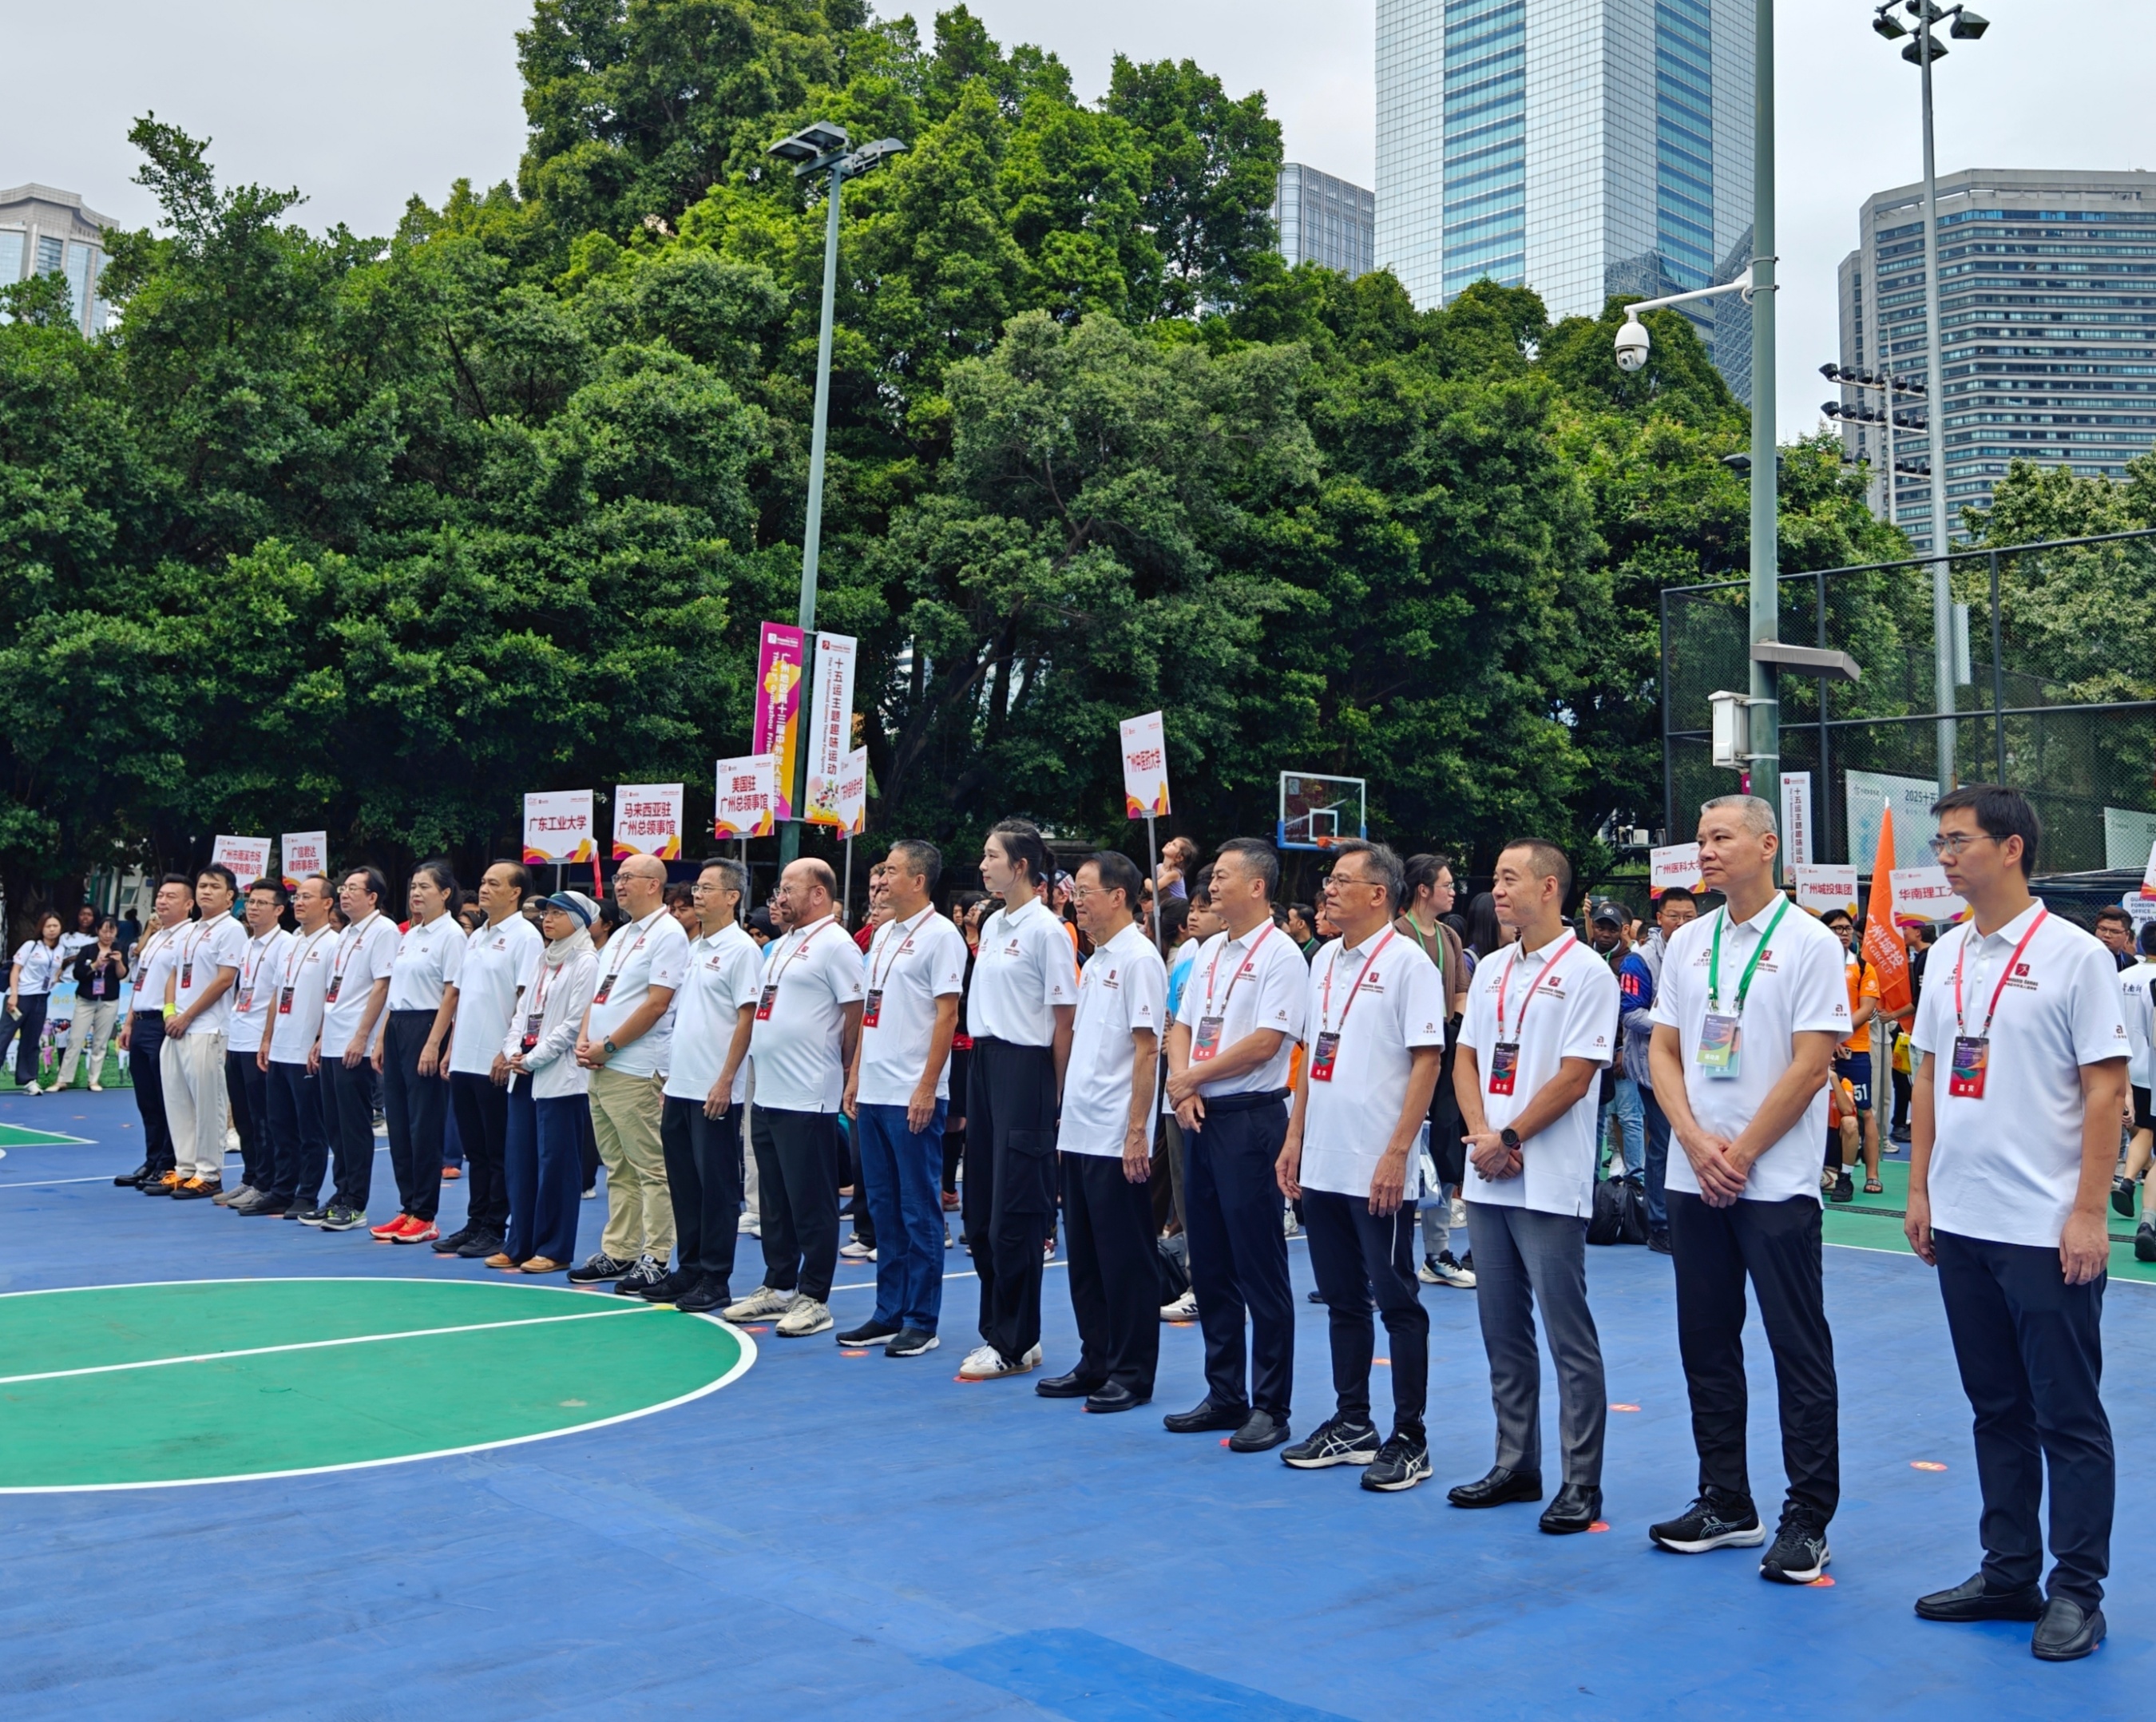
column 1631, row 345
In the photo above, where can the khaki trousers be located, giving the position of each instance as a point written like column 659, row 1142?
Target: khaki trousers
column 625, row 1114
column 193, row 1067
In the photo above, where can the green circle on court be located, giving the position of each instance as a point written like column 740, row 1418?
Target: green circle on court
column 216, row 1380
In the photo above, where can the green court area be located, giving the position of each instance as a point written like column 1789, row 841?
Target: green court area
column 20, row 1136
column 1874, row 1222
column 195, row 1381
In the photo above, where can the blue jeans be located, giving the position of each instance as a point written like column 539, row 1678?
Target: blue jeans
column 1658, row 1160
column 904, row 1175
column 1632, row 1125
column 543, row 1168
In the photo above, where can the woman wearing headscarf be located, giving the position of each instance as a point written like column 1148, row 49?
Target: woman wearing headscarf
column 547, row 1108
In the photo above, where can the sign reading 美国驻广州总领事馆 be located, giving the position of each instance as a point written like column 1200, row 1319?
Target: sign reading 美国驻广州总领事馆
column 746, row 794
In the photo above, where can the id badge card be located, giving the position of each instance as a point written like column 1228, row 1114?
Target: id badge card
column 97, row 985
column 1322, row 1051
column 606, row 986
column 1718, row 1046
column 1504, row 1067
column 247, row 1001
column 186, row 977
column 284, row 1001
column 872, row 1007
column 1971, row 1062
column 328, row 996
column 531, row 1030
column 1208, row 1040
column 770, row 998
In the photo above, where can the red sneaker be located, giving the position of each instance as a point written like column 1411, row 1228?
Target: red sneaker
column 388, row 1231
column 417, row 1232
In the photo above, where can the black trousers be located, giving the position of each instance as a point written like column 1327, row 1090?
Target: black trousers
column 1115, row 1276
column 1364, row 1261
column 2030, row 1349
column 858, row 1211
column 797, row 1156
column 300, row 1143
column 704, row 1183
column 416, row 1108
column 1777, row 1244
column 1239, row 1250
column 247, row 1090
column 482, row 1114
column 25, row 1030
column 1009, row 1193
column 348, row 1120
column 146, row 1047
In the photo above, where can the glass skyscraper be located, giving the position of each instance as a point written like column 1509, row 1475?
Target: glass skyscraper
column 1322, row 219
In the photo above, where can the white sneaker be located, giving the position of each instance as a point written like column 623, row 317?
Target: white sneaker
column 1184, row 1308
column 853, row 1250
column 1458, row 1215
column 759, row 1303
column 747, row 1225
column 805, row 1316
column 1292, row 1226
column 985, row 1363
column 97, row 1087
column 1442, row 1270
column 1048, row 1251
column 946, row 1233
column 34, row 1089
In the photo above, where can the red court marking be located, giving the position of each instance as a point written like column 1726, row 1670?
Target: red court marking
column 1599, row 1524
column 1615, row 1406
column 1825, row 1581
column 1926, row 1465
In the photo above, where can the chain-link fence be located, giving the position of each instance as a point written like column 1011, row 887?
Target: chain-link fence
column 2055, row 650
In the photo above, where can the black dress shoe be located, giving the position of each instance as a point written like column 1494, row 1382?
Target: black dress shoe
column 477, row 1246
column 1114, row 1397
column 1576, row 1508
column 2065, row 1632
column 1073, row 1385
column 1974, row 1600
column 707, row 1294
column 1259, row 1434
column 1205, row 1417
column 135, row 1176
column 450, row 1242
column 1499, row 1488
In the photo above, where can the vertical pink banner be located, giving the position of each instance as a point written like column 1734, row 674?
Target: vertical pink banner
column 779, row 706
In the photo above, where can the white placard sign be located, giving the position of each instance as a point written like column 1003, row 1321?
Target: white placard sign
column 1824, row 886
column 249, row 858
column 558, row 827
column 1676, row 864
column 747, row 786
column 647, row 820
column 1796, row 821
column 1922, row 894
column 1145, row 767
column 853, row 791
column 307, row 853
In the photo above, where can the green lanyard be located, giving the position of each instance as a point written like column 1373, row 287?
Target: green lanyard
column 1759, row 950
column 1425, row 940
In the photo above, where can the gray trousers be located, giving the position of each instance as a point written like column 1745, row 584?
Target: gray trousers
column 1524, row 1260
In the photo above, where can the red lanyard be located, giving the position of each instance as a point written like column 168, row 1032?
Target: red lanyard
column 300, row 952
column 1548, row 970
column 1248, row 965
column 246, row 976
column 876, row 979
column 800, row 950
column 545, row 979
column 1325, row 1000
column 613, row 973
column 2004, row 974
column 343, row 956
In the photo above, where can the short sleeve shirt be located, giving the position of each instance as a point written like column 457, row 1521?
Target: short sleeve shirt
column 1383, row 999
column 429, row 957
column 910, row 965
column 42, row 965
column 808, row 979
column 489, row 973
column 1799, row 988
column 1122, row 988
column 643, row 955
column 152, row 967
column 2137, row 1006
column 2006, row 1167
column 1258, row 981
column 365, row 953
column 217, row 942
column 726, row 972
column 302, row 977
column 1559, row 1002
column 1023, row 969
column 253, row 994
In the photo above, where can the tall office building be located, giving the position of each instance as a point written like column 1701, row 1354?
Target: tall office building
column 2048, row 298
column 1580, row 148
column 48, row 232
column 1323, row 220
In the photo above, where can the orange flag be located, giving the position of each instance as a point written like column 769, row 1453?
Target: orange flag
column 1883, row 949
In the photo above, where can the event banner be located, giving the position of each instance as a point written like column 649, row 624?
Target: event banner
column 746, row 793
column 647, row 820
column 832, row 697
column 249, row 858
column 1824, row 886
column 307, row 853
column 2148, row 874
column 1145, row 767
column 852, row 798
column 1676, row 864
column 1796, row 821
column 778, row 707
column 1922, row 894
column 558, row 827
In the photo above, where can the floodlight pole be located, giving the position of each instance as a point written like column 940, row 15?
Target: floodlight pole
column 1943, row 652
column 1765, row 725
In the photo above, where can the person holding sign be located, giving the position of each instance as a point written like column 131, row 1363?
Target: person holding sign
column 1542, row 1024
column 1750, row 1009
column 2015, row 1125
column 198, row 998
column 1376, row 1006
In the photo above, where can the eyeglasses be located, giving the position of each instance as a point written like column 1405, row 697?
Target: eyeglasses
column 1086, row 893
column 1944, row 847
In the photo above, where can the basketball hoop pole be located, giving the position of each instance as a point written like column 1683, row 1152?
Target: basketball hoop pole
column 1152, row 878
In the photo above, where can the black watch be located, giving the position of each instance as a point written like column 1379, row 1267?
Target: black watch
column 1509, row 1137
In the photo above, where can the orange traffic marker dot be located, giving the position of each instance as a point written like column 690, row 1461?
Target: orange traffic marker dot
column 1926, row 1465
column 1615, row 1406
column 1387, row 1361
column 853, row 1353
column 1825, row 1581
column 1599, row 1524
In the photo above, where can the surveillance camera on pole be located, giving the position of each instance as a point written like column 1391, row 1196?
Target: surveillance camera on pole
column 1632, row 344
column 1632, row 339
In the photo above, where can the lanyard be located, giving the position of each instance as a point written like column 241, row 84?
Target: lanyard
column 343, row 956
column 1505, row 980
column 260, row 947
column 1432, row 943
column 1246, row 966
column 876, row 977
column 1759, row 950
column 539, row 989
column 799, row 951
column 1325, row 999
column 613, row 973
column 300, row 952
column 2004, row 974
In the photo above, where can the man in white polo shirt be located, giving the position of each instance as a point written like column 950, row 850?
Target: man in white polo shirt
column 207, row 959
column 246, row 1084
column 290, row 1056
column 624, row 1044
column 1751, row 1005
column 1542, row 1027
column 802, row 1036
column 1375, row 1016
column 2014, row 1129
column 1110, row 1091
column 898, row 1093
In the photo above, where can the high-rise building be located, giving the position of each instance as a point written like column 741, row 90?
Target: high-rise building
column 2048, row 299
column 48, row 232
column 1324, row 220
column 1580, row 148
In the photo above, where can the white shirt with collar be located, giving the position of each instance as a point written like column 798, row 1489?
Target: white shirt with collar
column 212, row 944
column 2136, row 986
column 652, row 952
column 429, row 957
column 798, row 1032
column 254, row 993
column 726, row 972
column 556, row 994
column 910, row 964
column 1122, row 988
column 1024, row 968
column 365, row 951
column 153, row 966
column 489, row 974
column 302, row 976
column 1797, row 989
column 42, row 965
column 1258, row 981
column 1383, row 998
column 1560, row 1001
column 2006, row 1167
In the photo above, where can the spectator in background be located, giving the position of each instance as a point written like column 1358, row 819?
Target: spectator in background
column 1853, row 1061
column 1484, row 934
column 1427, row 881
column 682, row 905
column 1302, row 928
column 2138, row 986
column 81, row 936
column 1608, row 930
column 98, row 971
column 1178, row 856
column 2114, row 930
column 1638, row 980
column 37, row 969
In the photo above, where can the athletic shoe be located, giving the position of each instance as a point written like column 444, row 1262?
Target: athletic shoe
column 946, row 1233
column 164, row 1183
column 598, row 1268
column 667, row 1289
column 1708, row 1523
column 1659, row 1242
column 197, row 1190
column 2121, row 1197
column 985, row 1363
column 759, row 1305
column 478, row 1247
column 1845, row 1188
column 343, row 1219
column 1456, row 1217
column 911, row 1343
column 1048, row 1251
column 1289, row 1224
column 870, row 1332
column 950, row 1201
column 1401, row 1463
column 134, row 1177
column 34, row 1089
column 451, row 1174
column 1442, row 1270
column 589, row 1193
column 807, row 1316
column 309, row 1217
column 1335, row 1441
column 450, row 1242
column 1184, row 1308
column 96, row 1087
column 418, row 1232
column 648, row 1275
column 2144, row 1241
column 388, row 1229
column 747, row 1226
column 707, row 1294
column 1799, row 1554
column 257, row 1203
column 853, row 1250
column 225, row 1199
column 380, row 1125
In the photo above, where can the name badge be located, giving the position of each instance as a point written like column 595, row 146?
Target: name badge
column 97, row 985
column 247, row 1001
column 1322, row 1051
column 187, row 976
column 284, row 1001
column 606, row 986
column 872, row 1007
column 530, row 1037
column 1504, row 1067
column 1971, row 1062
column 770, row 998
column 1209, row 1039
column 329, row 994
column 1718, row 1046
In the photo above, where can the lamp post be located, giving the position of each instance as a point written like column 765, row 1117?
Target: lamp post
column 1920, row 52
column 1884, row 383
column 821, row 149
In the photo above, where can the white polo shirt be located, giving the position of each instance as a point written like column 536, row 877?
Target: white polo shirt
column 653, row 952
column 1259, row 981
column 1797, row 989
column 429, row 957
column 2135, row 985
column 213, row 942
column 807, row 979
column 1559, row 1002
column 2006, row 1167
column 489, row 974
column 254, row 994
column 1123, row 988
column 726, row 972
column 153, row 966
column 365, row 953
column 910, row 964
column 1024, row 968
column 1383, row 999
column 302, row 976
column 42, row 965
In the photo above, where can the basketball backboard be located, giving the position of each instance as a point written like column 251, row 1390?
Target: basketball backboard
column 1317, row 811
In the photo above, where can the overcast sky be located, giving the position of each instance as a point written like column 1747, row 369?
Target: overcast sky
column 362, row 105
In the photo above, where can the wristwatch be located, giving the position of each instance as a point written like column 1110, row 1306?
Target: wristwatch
column 610, row 1048
column 1509, row 1137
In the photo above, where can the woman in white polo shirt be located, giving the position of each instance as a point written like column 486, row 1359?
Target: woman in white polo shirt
column 37, row 969
column 547, row 1110
column 407, row 1050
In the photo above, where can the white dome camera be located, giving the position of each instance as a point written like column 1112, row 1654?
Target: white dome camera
column 1631, row 345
